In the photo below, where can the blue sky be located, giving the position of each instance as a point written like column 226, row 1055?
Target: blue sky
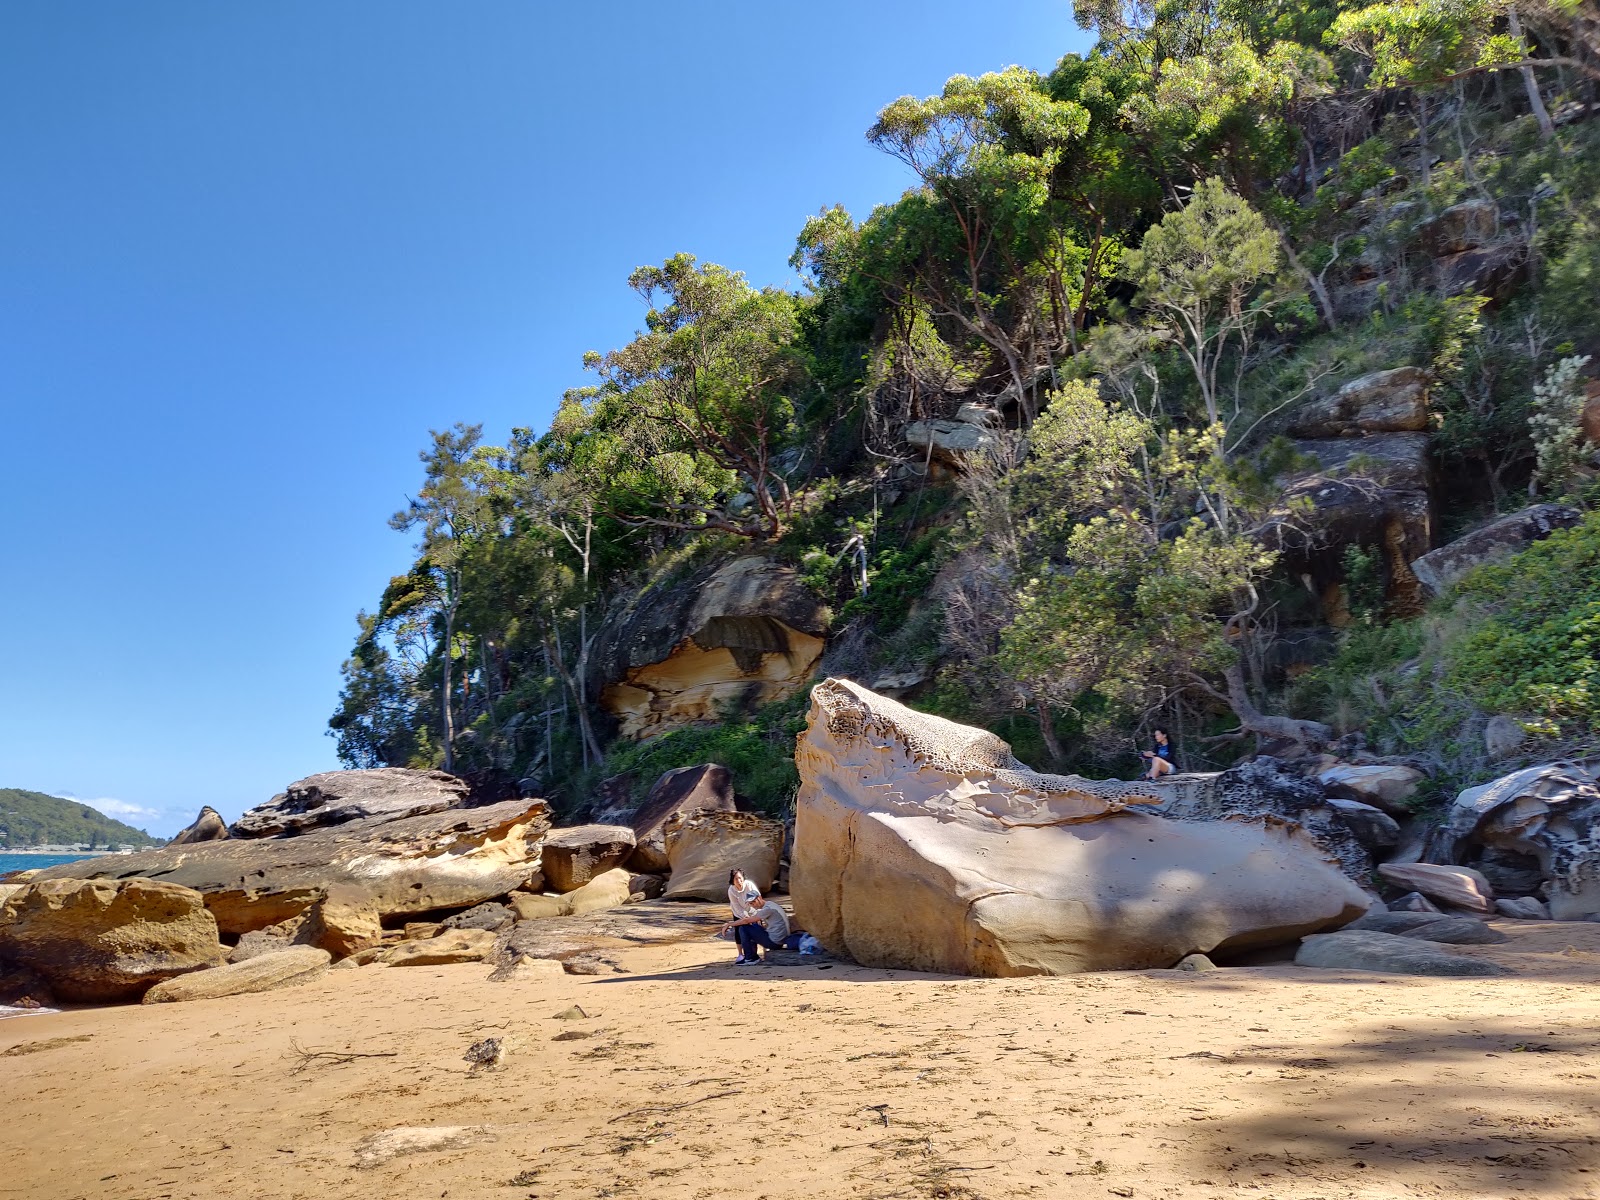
column 251, row 253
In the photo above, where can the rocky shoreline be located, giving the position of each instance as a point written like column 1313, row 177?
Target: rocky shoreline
column 917, row 844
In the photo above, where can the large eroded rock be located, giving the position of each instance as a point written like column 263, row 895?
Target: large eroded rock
column 686, row 790
column 924, row 844
column 368, row 868
column 1368, row 950
column 207, row 827
column 101, row 941
column 572, row 857
column 337, row 797
column 704, row 847
column 725, row 639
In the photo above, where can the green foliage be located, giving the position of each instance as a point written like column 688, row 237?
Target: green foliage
column 1533, row 647
column 759, row 750
column 36, row 819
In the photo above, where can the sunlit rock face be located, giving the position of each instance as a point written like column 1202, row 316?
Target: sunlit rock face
column 729, row 639
column 924, row 844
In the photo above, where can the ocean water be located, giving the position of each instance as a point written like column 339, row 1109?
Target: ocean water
column 28, row 862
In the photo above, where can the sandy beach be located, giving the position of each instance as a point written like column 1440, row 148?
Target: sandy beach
column 692, row 1078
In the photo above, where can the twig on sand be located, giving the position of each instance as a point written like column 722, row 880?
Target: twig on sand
column 310, row 1058
column 666, row 1108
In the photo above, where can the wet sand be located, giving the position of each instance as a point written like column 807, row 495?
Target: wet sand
column 692, row 1078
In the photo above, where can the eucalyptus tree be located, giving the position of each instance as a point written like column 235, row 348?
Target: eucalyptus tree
column 702, row 402
column 969, row 245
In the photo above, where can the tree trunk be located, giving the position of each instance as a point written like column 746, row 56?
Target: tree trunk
column 1047, row 731
column 1535, row 100
column 444, row 689
column 1253, row 720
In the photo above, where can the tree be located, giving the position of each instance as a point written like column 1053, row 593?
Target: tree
column 1126, row 592
column 455, row 509
column 985, row 150
column 1198, row 273
column 710, row 383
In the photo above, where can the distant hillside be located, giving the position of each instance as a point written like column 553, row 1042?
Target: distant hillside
column 34, row 819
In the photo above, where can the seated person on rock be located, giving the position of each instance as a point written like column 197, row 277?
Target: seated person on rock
column 1158, row 761
column 766, row 926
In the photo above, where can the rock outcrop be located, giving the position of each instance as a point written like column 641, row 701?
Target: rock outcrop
column 454, row 946
column 1500, row 538
column 1370, row 491
column 339, row 797
column 726, row 639
column 924, row 844
column 367, row 868
column 1384, row 402
column 703, row 847
column 684, row 791
column 265, row 973
column 574, row 856
column 952, row 443
column 100, row 942
column 207, row 827
column 1548, row 816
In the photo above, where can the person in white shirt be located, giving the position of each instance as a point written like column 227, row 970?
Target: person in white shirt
column 743, row 896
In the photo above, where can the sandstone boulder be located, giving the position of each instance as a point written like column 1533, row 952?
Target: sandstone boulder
column 705, row 788
column 449, row 859
column 924, row 844
column 207, row 827
column 704, row 847
column 1459, row 887
column 296, row 964
column 1372, row 827
column 455, row 946
column 728, row 637
column 534, row 906
column 1413, row 902
column 1549, row 815
column 490, row 915
column 951, row 443
column 337, row 797
column 1197, row 963
column 1459, row 228
column 1368, row 491
column 1384, row 402
column 1503, row 736
column 98, row 942
column 646, row 887
column 572, row 857
column 1382, row 786
column 1266, row 787
column 1367, row 950
column 1431, row 927
column 1500, row 538
column 1522, row 908
column 343, row 922
column 606, row 890
column 274, row 939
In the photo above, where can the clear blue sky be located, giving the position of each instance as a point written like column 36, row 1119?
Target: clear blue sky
column 251, row 253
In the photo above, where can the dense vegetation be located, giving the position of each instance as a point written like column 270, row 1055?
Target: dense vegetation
column 1139, row 266
column 35, row 819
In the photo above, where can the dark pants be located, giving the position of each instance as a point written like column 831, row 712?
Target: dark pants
column 752, row 938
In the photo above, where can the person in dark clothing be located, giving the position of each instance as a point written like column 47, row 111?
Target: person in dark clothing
column 1158, row 761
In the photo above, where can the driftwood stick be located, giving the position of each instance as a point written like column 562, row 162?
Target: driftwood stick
column 666, row 1108
column 306, row 1058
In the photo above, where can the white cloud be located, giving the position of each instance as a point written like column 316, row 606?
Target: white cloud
column 116, row 808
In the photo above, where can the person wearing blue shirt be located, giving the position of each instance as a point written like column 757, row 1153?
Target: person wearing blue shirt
column 1159, row 760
